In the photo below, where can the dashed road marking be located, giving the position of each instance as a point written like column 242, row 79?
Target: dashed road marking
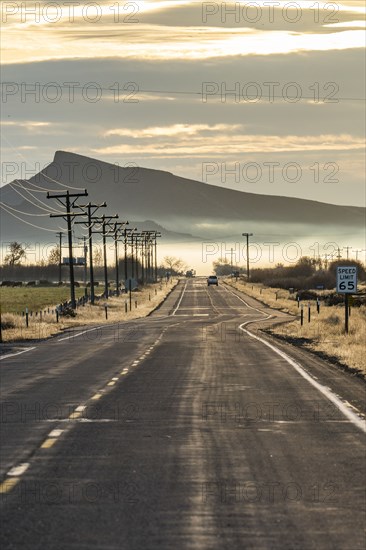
column 48, row 443
column 8, row 484
column 18, row 470
column 55, row 433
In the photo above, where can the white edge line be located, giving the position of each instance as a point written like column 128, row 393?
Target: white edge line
column 180, row 300
column 350, row 415
column 17, row 353
column 78, row 334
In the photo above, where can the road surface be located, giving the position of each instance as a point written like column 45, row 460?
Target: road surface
column 180, row 431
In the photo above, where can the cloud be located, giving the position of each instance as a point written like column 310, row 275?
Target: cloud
column 199, row 146
column 174, row 130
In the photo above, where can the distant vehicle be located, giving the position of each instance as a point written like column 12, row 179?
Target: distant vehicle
column 212, row 280
column 190, row 273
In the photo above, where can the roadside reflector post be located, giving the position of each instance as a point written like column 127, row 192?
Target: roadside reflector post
column 149, row 297
column 309, row 312
column 26, row 317
column 135, row 303
column 302, row 315
column 106, row 310
column 57, row 315
column 126, row 306
column 298, row 301
column 318, row 305
column 130, row 292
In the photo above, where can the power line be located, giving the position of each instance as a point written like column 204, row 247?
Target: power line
column 24, row 221
column 70, row 200
column 28, row 200
column 59, row 183
column 21, row 212
column 190, row 92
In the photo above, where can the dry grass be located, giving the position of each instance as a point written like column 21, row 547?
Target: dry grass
column 46, row 326
column 325, row 333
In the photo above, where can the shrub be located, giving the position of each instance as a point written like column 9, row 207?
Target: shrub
column 7, row 323
column 333, row 320
column 44, row 282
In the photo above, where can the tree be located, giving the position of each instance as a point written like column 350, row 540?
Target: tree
column 98, row 257
column 54, row 256
column 16, row 254
column 361, row 272
column 222, row 267
column 173, row 264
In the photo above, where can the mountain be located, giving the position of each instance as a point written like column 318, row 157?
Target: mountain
column 186, row 210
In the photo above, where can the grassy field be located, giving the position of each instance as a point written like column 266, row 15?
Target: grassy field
column 143, row 302
column 325, row 333
column 16, row 299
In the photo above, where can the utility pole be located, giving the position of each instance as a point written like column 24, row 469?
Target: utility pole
column 346, row 248
column 60, row 234
column 357, row 251
column 104, row 234
column 247, row 235
column 85, row 248
column 231, row 259
column 68, row 203
column 104, row 221
column 156, row 236
column 90, row 211
column 116, row 228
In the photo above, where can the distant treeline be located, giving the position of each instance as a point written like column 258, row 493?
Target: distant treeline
column 36, row 272
column 305, row 274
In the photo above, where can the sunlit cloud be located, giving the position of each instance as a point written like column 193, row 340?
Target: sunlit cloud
column 29, row 124
column 174, row 130
column 347, row 24
column 218, row 145
column 153, row 42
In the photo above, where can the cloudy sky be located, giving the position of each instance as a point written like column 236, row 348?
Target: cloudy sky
column 262, row 96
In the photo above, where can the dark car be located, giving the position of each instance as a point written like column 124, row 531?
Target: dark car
column 212, row 280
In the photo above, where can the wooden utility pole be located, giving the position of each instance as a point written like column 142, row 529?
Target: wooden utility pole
column 60, row 234
column 247, row 235
column 68, row 200
column 90, row 211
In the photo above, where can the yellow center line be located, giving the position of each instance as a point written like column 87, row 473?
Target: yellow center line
column 48, row 443
column 97, row 396
column 8, row 484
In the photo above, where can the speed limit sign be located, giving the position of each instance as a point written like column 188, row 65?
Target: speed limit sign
column 347, row 279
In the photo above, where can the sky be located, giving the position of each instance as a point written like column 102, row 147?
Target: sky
column 263, row 96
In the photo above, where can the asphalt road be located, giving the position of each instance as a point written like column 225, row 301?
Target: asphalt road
column 180, row 431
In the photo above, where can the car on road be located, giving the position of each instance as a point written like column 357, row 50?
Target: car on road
column 212, row 280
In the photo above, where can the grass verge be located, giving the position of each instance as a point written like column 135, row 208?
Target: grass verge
column 143, row 302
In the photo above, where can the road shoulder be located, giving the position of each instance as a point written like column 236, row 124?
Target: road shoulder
column 350, row 387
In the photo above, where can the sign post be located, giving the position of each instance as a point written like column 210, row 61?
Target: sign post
column 346, row 284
